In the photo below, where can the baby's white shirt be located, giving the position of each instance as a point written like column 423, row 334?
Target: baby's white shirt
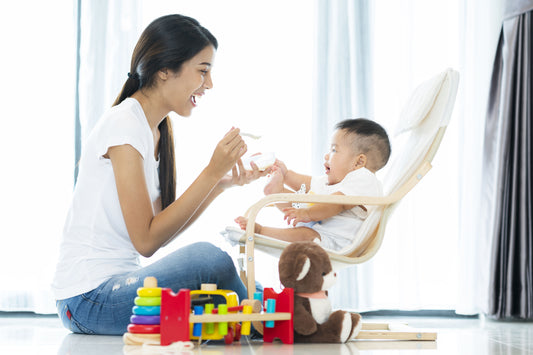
column 338, row 231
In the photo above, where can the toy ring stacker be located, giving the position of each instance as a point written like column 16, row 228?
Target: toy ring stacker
column 144, row 328
column 147, row 301
column 140, row 339
column 146, row 310
column 150, row 320
column 149, row 292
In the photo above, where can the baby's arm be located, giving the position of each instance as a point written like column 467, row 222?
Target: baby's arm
column 316, row 212
column 295, row 180
column 292, row 179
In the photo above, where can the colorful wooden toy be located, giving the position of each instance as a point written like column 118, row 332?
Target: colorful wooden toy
column 146, row 314
column 144, row 328
column 259, row 296
column 145, row 319
column 246, row 326
column 197, row 327
column 227, row 321
column 271, row 308
column 209, row 327
column 223, row 326
column 149, row 292
column 141, row 339
column 146, row 310
column 147, row 301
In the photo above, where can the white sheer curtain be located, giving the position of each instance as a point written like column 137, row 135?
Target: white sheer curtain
column 264, row 79
column 434, row 252
column 38, row 65
column 108, row 33
column 343, row 71
column 478, row 50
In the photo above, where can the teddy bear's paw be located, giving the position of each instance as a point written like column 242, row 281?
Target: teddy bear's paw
column 346, row 328
column 357, row 324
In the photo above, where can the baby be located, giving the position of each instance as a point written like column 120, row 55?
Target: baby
column 359, row 148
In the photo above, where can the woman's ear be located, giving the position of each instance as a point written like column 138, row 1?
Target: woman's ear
column 360, row 161
column 163, row 74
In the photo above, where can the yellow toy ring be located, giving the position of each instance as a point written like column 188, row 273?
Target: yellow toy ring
column 149, row 292
column 148, row 301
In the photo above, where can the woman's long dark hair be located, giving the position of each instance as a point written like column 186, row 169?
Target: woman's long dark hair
column 167, row 42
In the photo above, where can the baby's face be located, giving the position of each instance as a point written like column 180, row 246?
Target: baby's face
column 341, row 158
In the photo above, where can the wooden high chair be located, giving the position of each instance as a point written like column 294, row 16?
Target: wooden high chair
column 421, row 128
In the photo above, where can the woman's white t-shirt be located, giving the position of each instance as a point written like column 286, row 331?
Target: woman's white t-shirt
column 96, row 244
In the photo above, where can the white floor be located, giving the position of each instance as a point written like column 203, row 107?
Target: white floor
column 44, row 335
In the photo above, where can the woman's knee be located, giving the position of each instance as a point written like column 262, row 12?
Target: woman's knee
column 192, row 265
column 211, row 253
column 215, row 259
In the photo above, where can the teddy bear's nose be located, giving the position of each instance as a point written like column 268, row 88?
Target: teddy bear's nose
column 334, row 274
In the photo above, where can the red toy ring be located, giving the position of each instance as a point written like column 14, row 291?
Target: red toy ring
column 144, row 328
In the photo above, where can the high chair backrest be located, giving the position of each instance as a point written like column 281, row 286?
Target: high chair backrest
column 419, row 132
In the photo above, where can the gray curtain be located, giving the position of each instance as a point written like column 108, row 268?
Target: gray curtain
column 507, row 166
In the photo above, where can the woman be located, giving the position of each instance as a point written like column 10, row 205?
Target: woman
column 124, row 203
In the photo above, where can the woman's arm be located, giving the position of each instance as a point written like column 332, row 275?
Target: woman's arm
column 238, row 176
column 148, row 231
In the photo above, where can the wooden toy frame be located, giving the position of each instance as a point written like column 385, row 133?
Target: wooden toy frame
column 176, row 316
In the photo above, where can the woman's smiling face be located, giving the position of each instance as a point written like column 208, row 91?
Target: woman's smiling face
column 183, row 88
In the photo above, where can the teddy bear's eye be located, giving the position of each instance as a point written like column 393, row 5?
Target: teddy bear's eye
column 324, row 274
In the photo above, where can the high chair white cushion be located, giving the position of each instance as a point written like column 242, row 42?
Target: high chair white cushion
column 419, row 103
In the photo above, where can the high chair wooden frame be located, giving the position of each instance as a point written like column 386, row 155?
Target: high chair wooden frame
column 371, row 243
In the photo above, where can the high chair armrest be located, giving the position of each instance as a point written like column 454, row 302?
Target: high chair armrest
column 394, row 197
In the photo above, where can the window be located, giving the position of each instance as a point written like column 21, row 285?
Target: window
column 38, row 66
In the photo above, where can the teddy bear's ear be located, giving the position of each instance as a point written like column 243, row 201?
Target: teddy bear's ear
column 293, row 267
column 305, row 269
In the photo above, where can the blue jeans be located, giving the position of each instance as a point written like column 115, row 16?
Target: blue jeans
column 107, row 309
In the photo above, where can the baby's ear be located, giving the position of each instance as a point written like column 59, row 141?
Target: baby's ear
column 360, row 161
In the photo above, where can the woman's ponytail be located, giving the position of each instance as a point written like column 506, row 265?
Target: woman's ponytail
column 132, row 84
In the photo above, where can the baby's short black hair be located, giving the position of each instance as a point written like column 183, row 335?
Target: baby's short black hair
column 370, row 139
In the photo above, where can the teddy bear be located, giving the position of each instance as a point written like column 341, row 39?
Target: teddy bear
column 306, row 267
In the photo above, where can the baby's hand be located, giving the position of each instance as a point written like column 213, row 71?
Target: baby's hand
column 296, row 215
column 243, row 221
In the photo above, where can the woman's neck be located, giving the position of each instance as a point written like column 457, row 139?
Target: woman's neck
column 153, row 110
